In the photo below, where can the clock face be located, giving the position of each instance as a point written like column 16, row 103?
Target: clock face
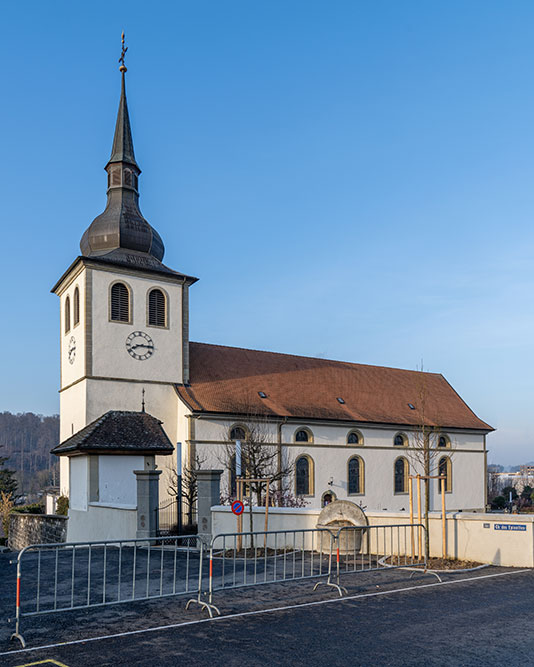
column 72, row 349
column 139, row 345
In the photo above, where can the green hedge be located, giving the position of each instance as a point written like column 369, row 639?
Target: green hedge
column 34, row 508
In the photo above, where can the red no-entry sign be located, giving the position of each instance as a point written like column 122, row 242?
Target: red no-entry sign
column 238, row 507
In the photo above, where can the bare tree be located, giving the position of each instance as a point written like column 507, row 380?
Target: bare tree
column 189, row 490
column 428, row 446
column 260, row 457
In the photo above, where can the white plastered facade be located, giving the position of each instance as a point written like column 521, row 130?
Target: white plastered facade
column 330, row 455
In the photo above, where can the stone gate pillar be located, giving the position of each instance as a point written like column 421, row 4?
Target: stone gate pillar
column 147, row 502
column 208, row 494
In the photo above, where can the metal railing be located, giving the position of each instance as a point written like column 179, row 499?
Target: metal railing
column 66, row 576
column 277, row 556
column 367, row 548
column 61, row 577
column 167, row 519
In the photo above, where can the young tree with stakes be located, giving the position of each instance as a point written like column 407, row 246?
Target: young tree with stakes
column 425, row 454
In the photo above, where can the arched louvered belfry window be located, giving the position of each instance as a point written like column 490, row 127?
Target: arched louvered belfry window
column 120, row 303
column 157, row 315
column 67, row 314
column 304, row 476
column 76, row 306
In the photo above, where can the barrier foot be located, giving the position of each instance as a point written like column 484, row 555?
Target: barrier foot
column 210, row 608
column 427, row 572
column 18, row 636
column 336, row 586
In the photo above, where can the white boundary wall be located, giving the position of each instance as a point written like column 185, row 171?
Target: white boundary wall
column 470, row 535
column 102, row 523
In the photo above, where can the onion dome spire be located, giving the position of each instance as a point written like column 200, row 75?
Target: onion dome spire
column 121, row 233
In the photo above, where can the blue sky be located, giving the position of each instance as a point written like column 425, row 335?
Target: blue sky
column 348, row 179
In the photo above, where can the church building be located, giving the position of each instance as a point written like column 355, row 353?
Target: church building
column 348, row 431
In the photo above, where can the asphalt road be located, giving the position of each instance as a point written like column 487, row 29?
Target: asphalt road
column 388, row 619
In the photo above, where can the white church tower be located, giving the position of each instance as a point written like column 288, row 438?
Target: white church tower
column 124, row 315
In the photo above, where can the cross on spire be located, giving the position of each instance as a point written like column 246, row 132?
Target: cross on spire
column 122, row 68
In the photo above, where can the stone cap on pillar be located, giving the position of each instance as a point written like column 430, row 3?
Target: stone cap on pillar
column 209, row 473
column 147, row 473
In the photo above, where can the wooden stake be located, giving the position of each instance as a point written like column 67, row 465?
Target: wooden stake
column 266, row 515
column 410, row 490
column 240, row 517
column 420, row 553
column 443, row 519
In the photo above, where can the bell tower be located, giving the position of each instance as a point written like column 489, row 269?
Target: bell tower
column 124, row 314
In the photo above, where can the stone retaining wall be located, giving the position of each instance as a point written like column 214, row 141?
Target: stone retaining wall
column 27, row 529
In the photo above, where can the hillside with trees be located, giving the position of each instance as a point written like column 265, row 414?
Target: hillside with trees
column 25, row 443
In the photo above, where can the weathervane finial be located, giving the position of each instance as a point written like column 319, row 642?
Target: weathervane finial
column 143, row 400
column 122, row 68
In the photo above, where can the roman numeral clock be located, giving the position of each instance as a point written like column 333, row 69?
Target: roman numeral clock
column 139, row 345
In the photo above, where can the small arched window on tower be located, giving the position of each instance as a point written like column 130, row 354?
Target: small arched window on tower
column 120, row 303
column 67, row 314
column 157, row 316
column 76, row 306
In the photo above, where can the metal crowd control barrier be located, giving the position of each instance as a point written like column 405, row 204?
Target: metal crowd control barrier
column 66, row 576
column 367, row 548
column 278, row 556
column 268, row 557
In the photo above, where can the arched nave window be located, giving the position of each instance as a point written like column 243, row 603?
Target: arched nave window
column 400, row 440
column 354, row 438
column 401, row 475
column 304, row 476
column 303, row 435
column 445, row 468
column 355, row 475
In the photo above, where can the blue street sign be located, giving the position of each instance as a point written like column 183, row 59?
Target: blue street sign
column 509, row 526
